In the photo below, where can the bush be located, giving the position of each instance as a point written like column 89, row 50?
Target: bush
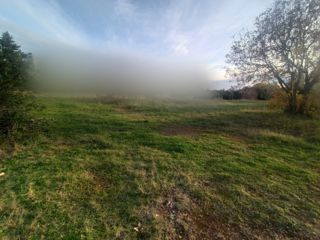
column 312, row 106
column 309, row 106
column 15, row 113
column 279, row 101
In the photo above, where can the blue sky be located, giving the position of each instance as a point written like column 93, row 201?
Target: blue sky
column 197, row 30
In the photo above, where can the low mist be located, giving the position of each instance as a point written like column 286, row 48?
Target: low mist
column 89, row 72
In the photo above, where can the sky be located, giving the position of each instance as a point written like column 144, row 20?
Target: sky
column 181, row 30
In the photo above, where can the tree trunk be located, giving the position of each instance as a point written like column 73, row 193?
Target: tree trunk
column 293, row 105
column 304, row 103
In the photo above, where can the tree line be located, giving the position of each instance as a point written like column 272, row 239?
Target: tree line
column 256, row 92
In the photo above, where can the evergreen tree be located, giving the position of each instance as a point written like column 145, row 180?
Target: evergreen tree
column 15, row 67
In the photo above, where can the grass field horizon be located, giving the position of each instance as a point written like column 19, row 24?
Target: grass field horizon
column 143, row 169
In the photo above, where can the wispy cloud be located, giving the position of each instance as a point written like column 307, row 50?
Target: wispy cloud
column 125, row 9
column 179, row 43
column 185, row 29
column 45, row 20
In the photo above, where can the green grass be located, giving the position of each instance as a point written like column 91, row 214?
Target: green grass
column 163, row 170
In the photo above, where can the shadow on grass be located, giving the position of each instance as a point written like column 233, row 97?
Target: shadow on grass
column 244, row 123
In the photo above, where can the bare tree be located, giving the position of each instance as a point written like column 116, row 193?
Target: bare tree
column 284, row 47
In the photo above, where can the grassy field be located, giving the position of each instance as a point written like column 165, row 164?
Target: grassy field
column 163, row 170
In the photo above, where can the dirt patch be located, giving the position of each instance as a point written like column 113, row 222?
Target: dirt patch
column 180, row 216
column 181, row 130
column 98, row 182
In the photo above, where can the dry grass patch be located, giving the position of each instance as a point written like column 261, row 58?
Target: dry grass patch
column 181, row 131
